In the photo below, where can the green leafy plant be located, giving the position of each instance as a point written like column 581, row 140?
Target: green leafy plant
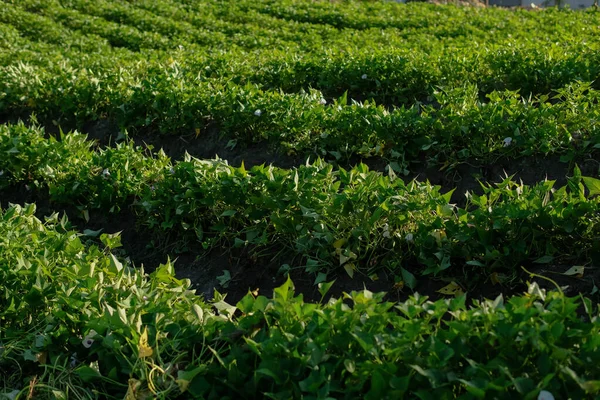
column 78, row 321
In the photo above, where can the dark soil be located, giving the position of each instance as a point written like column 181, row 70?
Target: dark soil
column 248, row 273
column 207, row 144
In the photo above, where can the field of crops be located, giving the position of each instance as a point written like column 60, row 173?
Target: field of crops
column 223, row 199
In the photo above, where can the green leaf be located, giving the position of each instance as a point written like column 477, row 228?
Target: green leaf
column 475, row 263
column 164, row 273
column 284, row 290
column 225, row 278
column 376, row 216
column 269, row 373
column 592, row 184
column 591, row 386
column 473, row 389
column 112, row 241
column 59, row 395
column 324, row 287
column 122, row 315
column 448, row 195
column 409, row 279
column 378, row 385
column 349, row 268
column 400, row 383
column 575, row 270
column 350, row 365
column 12, row 395
column 225, row 308
column 246, row 304
column 91, row 233
column 544, row 260
column 115, row 264
column 87, row 374
column 557, row 329
column 321, row 277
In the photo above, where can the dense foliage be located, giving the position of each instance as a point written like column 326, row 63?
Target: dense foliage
column 328, row 82
column 307, row 78
column 84, row 324
column 355, row 219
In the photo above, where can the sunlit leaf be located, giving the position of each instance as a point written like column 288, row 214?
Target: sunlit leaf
column 144, row 349
column 592, row 184
column 452, row 289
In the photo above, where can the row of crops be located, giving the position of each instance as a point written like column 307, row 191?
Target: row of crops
column 338, row 221
column 330, row 83
column 356, row 219
column 77, row 318
column 438, row 95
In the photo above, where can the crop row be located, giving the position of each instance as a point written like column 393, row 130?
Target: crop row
column 457, row 126
column 352, row 219
column 182, row 21
column 441, row 21
column 79, row 322
column 406, row 69
column 457, row 106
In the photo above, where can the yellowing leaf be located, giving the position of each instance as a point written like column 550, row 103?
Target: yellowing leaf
column 350, row 269
column 576, row 270
column 197, row 132
column 339, row 243
column 439, row 236
column 183, row 384
column 452, row 289
column 495, row 279
column 144, row 350
column 134, row 385
column 199, row 312
column 42, row 357
column 185, row 377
